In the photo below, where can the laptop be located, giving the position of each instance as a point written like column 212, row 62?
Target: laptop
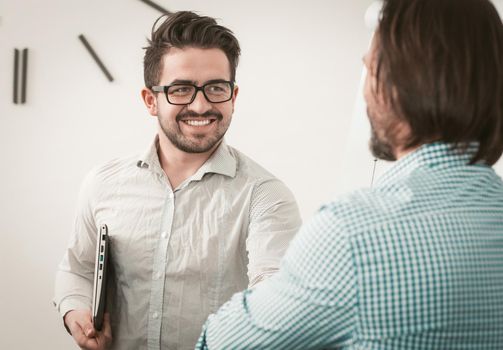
column 100, row 277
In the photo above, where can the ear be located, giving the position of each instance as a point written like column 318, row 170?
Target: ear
column 234, row 95
column 150, row 100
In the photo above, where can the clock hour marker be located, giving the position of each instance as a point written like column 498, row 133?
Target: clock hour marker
column 95, row 57
column 157, row 7
column 24, row 75
column 16, row 68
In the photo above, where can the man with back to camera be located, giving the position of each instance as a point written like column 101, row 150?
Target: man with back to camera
column 416, row 262
column 191, row 221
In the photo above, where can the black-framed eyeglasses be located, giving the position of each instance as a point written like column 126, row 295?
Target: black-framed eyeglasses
column 215, row 91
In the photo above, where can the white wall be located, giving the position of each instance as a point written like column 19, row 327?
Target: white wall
column 306, row 55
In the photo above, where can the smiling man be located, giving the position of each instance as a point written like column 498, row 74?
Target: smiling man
column 192, row 220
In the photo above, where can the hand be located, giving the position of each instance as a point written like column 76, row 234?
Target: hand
column 80, row 325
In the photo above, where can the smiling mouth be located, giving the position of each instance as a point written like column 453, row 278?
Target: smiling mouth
column 198, row 122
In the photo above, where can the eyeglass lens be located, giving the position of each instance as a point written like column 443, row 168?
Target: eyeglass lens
column 214, row 92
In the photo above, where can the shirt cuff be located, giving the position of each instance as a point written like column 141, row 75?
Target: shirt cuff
column 73, row 303
column 69, row 304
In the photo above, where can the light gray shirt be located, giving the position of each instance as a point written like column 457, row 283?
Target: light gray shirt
column 177, row 254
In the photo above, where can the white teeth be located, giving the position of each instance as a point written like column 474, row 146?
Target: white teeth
column 197, row 122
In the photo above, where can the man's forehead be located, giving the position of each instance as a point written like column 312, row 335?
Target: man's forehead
column 196, row 58
column 196, row 64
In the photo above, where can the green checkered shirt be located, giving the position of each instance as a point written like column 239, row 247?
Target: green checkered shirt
column 414, row 263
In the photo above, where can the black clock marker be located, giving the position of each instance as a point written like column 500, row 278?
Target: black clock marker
column 24, row 70
column 157, row 7
column 24, row 76
column 96, row 58
column 16, row 68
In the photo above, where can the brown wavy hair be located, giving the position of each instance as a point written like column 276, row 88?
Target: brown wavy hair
column 187, row 29
column 440, row 65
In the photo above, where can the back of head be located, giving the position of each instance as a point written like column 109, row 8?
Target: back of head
column 187, row 29
column 440, row 65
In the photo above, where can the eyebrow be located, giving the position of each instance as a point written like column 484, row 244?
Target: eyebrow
column 181, row 81
column 192, row 82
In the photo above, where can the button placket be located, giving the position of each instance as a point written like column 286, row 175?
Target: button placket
column 158, row 274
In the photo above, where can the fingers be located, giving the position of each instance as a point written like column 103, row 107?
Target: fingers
column 87, row 327
column 89, row 331
column 81, row 327
column 103, row 338
column 82, row 340
column 107, row 329
column 84, row 333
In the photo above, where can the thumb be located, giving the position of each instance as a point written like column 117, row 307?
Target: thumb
column 89, row 330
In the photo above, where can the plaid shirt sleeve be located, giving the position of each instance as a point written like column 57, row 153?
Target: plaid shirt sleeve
column 311, row 302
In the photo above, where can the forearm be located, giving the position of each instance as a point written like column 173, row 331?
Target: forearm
column 74, row 281
column 270, row 317
column 274, row 221
column 72, row 291
column 231, row 327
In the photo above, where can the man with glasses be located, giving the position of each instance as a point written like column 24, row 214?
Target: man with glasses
column 192, row 220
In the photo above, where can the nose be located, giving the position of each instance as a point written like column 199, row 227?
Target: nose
column 200, row 104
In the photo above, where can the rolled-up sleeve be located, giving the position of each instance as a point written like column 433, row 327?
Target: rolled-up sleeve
column 274, row 220
column 74, row 278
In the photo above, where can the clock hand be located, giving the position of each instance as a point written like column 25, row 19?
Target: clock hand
column 157, row 7
column 96, row 58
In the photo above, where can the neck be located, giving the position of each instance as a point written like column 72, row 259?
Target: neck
column 177, row 164
column 400, row 152
column 402, row 135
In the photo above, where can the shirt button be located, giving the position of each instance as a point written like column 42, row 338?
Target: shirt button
column 155, row 315
column 157, row 275
column 164, row 235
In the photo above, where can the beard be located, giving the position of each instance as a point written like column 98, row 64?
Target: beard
column 380, row 147
column 203, row 142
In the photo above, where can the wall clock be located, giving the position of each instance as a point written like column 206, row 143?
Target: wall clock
column 20, row 71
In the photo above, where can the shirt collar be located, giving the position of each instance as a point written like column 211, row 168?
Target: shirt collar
column 149, row 159
column 221, row 161
column 433, row 155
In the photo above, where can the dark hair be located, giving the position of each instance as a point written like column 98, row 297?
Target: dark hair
column 440, row 66
column 187, row 29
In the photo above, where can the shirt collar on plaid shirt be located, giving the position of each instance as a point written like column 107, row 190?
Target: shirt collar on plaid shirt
column 432, row 155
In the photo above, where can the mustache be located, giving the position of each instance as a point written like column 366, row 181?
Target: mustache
column 191, row 114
